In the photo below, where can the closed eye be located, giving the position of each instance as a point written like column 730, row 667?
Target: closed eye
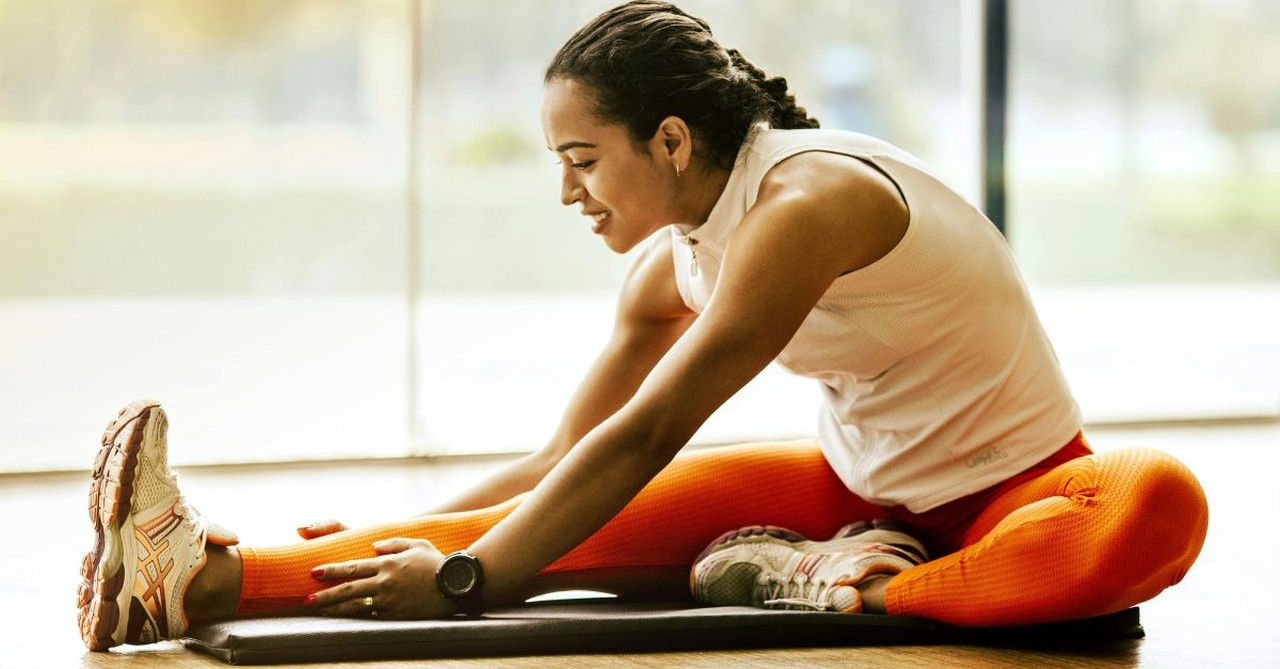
column 582, row 165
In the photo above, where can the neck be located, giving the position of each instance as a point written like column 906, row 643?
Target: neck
column 697, row 193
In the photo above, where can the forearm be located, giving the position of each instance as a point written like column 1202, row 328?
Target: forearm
column 593, row 483
column 516, row 478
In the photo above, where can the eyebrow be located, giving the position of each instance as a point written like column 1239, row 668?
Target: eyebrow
column 573, row 145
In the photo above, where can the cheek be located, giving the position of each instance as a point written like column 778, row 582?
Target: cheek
column 637, row 195
column 614, row 194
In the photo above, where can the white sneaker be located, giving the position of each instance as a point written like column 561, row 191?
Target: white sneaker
column 149, row 544
column 775, row 568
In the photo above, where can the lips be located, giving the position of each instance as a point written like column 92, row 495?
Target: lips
column 598, row 219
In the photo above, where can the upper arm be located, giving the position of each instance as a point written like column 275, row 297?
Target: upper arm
column 649, row 292
column 650, row 317
column 818, row 216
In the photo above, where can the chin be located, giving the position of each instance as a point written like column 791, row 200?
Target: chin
column 623, row 240
column 616, row 247
column 619, row 246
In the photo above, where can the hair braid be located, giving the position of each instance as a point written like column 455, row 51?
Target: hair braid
column 783, row 110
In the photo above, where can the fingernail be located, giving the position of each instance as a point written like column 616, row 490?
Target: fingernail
column 311, row 599
column 318, row 572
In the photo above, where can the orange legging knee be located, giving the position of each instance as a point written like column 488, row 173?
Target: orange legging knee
column 1094, row 535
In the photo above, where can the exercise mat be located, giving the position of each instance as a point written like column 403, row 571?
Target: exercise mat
column 612, row 626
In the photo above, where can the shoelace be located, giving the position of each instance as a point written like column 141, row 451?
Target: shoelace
column 190, row 516
column 797, row 593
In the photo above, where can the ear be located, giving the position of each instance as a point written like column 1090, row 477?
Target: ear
column 672, row 143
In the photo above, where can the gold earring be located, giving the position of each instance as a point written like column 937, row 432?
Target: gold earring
column 677, row 170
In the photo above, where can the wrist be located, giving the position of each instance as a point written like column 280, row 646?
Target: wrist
column 460, row 578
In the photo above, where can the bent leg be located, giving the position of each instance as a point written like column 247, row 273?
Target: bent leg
column 1093, row 536
column 696, row 498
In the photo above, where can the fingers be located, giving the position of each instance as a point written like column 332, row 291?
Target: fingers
column 397, row 584
column 320, row 529
column 348, row 598
column 354, row 598
column 350, row 570
column 399, row 545
column 366, row 567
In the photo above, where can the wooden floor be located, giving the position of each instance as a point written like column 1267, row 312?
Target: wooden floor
column 1223, row 614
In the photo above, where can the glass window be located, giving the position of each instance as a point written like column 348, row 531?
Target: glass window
column 207, row 202
column 202, row 202
column 1145, row 146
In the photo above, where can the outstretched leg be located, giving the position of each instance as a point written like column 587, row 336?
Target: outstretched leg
column 647, row 548
column 1093, row 536
column 157, row 564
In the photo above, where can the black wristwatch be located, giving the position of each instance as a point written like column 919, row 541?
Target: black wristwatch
column 460, row 578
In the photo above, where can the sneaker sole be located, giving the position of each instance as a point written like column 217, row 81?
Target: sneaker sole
column 871, row 535
column 885, row 555
column 110, row 502
column 751, row 533
column 882, row 531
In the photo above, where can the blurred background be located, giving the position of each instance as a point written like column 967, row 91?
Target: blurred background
column 329, row 228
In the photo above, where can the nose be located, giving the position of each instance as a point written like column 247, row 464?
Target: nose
column 571, row 189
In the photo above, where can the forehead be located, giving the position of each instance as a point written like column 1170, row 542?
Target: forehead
column 566, row 114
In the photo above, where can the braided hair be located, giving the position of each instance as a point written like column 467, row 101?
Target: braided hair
column 647, row 60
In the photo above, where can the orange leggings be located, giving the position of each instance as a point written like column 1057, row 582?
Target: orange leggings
column 1077, row 535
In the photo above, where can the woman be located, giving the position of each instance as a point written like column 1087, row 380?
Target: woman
column 838, row 255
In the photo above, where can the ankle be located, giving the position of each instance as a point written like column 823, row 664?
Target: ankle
column 214, row 593
column 872, row 590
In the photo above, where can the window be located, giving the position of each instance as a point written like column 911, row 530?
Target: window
column 1144, row 139
column 309, row 244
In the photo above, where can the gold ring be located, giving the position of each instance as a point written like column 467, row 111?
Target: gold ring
column 368, row 602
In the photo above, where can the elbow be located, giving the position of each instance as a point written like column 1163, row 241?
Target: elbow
column 543, row 460
column 646, row 437
column 656, row 436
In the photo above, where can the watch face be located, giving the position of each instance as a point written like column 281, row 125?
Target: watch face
column 458, row 577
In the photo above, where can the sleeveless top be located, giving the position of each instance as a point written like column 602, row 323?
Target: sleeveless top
column 937, row 377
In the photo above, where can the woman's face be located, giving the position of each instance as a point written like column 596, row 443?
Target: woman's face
column 624, row 189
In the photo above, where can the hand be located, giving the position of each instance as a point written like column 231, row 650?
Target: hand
column 320, row 529
column 401, row 580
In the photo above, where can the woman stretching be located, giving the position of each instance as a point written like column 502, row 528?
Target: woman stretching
column 946, row 425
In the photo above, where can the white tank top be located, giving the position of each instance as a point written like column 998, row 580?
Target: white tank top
column 937, row 377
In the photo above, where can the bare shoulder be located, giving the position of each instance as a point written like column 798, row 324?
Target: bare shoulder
column 841, row 200
column 649, row 292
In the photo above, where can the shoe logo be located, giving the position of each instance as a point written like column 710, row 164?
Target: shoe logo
column 154, row 567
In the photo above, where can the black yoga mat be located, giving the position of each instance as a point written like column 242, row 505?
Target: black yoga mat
column 612, row 626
